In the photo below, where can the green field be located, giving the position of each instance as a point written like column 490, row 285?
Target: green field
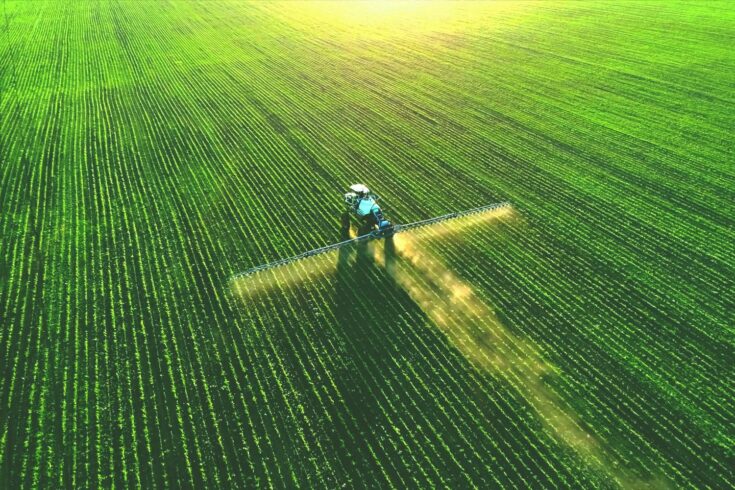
column 583, row 337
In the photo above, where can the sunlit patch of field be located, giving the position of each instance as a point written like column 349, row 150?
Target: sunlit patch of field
column 389, row 19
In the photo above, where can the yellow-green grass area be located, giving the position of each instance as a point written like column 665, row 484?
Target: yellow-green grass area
column 583, row 337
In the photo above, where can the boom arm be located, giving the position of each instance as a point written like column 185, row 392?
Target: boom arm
column 371, row 236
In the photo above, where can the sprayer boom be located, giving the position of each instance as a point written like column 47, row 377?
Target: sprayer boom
column 371, row 236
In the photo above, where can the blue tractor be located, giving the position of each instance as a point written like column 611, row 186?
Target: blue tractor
column 364, row 205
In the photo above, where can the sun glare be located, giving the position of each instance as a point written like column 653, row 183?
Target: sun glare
column 389, row 17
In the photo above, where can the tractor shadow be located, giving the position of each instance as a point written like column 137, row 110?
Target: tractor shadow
column 378, row 327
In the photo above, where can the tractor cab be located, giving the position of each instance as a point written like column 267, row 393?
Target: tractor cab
column 364, row 205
